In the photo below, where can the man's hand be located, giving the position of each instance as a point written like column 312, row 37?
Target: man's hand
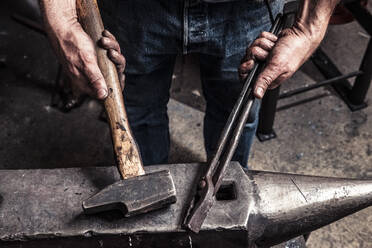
column 76, row 50
column 291, row 49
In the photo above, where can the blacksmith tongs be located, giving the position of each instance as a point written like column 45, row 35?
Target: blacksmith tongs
column 211, row 181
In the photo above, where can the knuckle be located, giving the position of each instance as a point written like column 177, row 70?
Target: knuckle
column 104, row 40
column 266, row 80
column 113, row 53
column 260, row 41
column 270, row 44
column 255, row 50
column 96, row 79
column 96, row 83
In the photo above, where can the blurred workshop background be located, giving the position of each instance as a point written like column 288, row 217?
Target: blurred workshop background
column 324, row 131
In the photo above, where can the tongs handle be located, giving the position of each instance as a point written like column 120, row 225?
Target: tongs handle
column 218, row 164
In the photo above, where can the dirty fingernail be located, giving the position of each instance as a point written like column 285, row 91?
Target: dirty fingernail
column 101, row 93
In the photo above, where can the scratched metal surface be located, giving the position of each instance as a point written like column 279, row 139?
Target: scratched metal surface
column 46, row 203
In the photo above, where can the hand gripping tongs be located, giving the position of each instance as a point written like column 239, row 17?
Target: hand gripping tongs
column 228, row 141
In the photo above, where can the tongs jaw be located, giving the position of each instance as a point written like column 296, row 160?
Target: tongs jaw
column 199, row 205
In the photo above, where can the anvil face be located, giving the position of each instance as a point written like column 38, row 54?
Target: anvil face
column 254, row 209
column 47, row 204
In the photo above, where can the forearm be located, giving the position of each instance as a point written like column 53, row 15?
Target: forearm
column 59, row 16
column 314, row 16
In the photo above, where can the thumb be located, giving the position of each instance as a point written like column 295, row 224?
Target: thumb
column 96, row 80
column 269, row 74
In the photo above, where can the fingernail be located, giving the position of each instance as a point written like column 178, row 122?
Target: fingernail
column 260, row 92
column 101, row 93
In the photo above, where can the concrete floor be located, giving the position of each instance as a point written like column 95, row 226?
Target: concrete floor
column 321, row 137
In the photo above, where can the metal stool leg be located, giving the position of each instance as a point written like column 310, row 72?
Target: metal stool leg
column 330, row 70
column 363, row 81
column 265, row 129
column 361, row 14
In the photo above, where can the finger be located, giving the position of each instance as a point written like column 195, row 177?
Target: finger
column 258, row 53
column 108, row 43
column 245, row 68
column 270, row 36
column 106, row 33
column 118, row 60
column 270, row 73
column 263, row 43
column 95, row 79
column 122, row 80
column 279, row 80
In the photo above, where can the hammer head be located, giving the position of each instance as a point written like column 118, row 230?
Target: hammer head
column 134, row 195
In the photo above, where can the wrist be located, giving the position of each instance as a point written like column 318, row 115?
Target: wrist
column 59, row 16
column 313, row 32
column 61, row 31
column 314, row 16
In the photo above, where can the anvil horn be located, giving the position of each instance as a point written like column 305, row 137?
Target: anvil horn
column 288, row 205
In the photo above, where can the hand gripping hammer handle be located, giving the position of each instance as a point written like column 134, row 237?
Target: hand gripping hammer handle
column 228, row 141
column 125, row 148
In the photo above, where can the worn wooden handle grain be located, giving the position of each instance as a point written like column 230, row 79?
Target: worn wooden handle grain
column 126, row 151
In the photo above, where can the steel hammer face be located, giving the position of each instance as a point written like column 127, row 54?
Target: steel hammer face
column 135, row 195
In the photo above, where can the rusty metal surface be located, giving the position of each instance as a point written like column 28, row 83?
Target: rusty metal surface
column 45, row 206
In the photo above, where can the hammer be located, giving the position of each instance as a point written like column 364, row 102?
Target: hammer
column 137, row 192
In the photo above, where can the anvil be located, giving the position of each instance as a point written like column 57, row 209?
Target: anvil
column 42, row 208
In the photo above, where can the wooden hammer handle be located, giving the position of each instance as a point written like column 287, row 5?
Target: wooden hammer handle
column 126, row 151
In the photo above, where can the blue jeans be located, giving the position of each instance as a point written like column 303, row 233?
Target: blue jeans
column 152, row 33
